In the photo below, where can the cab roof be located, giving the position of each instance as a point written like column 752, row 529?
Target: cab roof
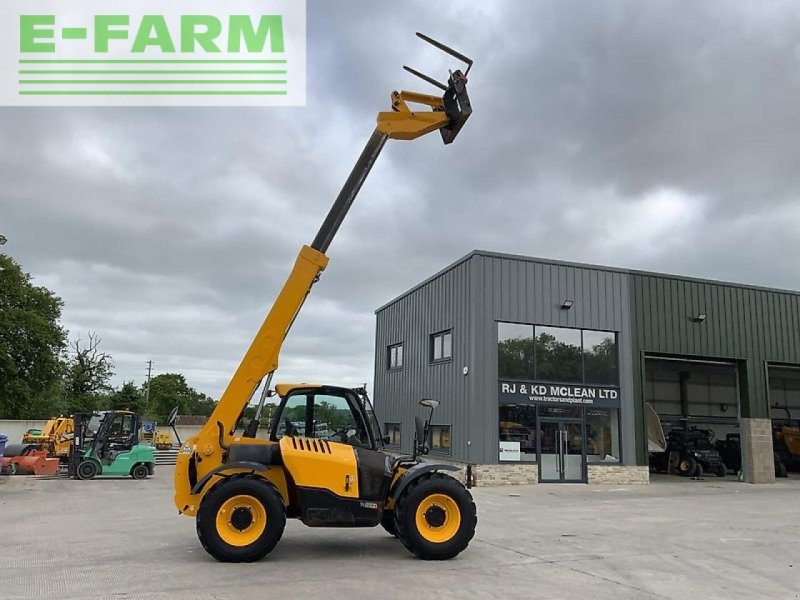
column 285, row 388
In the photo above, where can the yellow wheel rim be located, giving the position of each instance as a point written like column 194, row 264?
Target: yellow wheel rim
column 241, row 520
column 438, row 518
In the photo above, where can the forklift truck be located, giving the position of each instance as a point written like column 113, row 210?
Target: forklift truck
column 113, row 450
column 241, row 489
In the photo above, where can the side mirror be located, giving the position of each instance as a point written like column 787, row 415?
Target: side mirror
column 421, row 436
column 173, row 416
column 171, row 419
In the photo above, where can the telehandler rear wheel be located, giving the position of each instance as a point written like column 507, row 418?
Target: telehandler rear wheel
column 435, row 517
column 241, row 519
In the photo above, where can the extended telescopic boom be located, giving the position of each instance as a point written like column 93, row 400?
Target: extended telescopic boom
column 446, row 114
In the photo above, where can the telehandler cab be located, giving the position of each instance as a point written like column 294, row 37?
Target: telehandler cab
column 323, row 461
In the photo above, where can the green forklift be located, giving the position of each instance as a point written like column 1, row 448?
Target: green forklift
column 110, row 448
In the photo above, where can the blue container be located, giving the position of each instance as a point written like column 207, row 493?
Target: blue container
column 3, row 440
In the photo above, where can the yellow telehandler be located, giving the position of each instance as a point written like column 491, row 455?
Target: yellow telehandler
column 323, row 460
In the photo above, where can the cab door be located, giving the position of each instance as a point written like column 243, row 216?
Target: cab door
column 333, row 415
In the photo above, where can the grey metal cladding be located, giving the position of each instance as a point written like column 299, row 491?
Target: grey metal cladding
column 471, row 296
column 742, row 323
column 529, row 290
column 440, row 303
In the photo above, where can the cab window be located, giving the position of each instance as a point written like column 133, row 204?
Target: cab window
column 122, row 425
column 293, row 417
column 322, row 416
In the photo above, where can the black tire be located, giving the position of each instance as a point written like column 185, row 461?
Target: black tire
column 259, row 492
column 406, row 517
column 780, row 470
column 11, row 469
column 140, row 471
column 722, row 470
column 87, row 470
column 387, row 522
column 698, row 472
column 687, row 466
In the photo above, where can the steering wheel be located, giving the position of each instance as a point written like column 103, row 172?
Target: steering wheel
column 340, row 433
column 291, row 430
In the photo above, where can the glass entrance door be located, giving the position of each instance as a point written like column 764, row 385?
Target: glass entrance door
column 561, row 452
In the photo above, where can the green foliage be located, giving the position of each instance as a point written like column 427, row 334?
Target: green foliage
column 169, row 390
column 31, row 341
column 600, row 362
column 515, row 358
column 555, row 360
column 128, row 397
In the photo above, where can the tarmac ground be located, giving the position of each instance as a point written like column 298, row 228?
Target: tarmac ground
column 674, row 538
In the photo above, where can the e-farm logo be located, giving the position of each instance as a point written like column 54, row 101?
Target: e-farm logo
column 152, row 52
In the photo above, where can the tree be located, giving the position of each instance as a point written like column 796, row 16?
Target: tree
column 169, row 390
column 128, row 397
column 88, row 375
column 31, row 341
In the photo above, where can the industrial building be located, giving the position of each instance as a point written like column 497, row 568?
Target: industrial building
column 546, row 370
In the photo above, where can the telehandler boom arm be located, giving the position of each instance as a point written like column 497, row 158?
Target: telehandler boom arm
column 446, row 114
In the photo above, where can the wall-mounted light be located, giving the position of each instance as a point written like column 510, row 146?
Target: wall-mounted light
column 567, row 304
column 3, row 240
column 700, row 318
column 723, row 407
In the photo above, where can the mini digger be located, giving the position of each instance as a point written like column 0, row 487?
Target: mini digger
column 323, row 459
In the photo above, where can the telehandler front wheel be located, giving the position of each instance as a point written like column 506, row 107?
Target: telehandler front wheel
column 435, row 517
column 241, row 519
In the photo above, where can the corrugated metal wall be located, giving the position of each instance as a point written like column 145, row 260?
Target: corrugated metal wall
column 525, row 290
column 749, row 325
column 441, row 303
column 477, row 292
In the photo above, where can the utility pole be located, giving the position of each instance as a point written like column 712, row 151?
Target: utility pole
column 147, row 391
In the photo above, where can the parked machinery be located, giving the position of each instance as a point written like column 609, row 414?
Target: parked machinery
column 692, row 453
column 162, row 440
column 731, row 451
column 786, row 441
column 28, row 459
column 113, row 451
column 55, row 439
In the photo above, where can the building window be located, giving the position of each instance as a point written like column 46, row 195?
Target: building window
column 600, row 357
column 515, row 351
column 602, row 435
column 393, row 433
column 556, row 354
column 441, row 346
column 394, row 356
column 518, row 424
column 440, row 438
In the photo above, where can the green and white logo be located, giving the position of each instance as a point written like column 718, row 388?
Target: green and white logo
column 152, row 52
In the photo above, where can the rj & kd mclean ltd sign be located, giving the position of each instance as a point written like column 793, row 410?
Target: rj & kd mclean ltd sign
column 152, row 52
column 529, row 392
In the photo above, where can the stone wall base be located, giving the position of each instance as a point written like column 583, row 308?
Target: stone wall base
column 528, row 473
column 619, row 474
column 506, row 474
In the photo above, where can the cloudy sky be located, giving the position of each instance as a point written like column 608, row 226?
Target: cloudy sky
column 657, row 135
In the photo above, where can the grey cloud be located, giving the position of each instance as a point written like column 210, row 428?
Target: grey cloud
column 650, row 135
